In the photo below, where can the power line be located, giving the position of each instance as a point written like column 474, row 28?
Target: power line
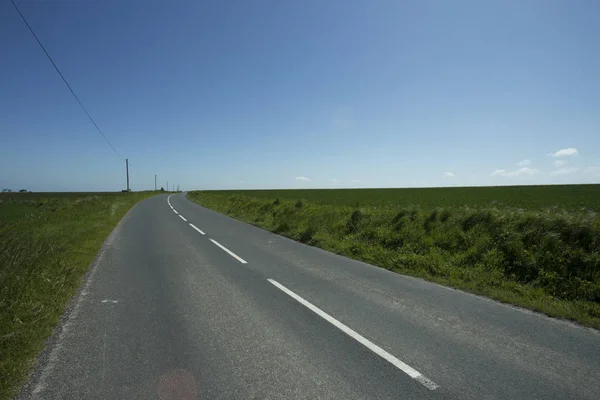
column 64, row 80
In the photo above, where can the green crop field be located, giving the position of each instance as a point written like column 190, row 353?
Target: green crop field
column 533, row 246
column 564, row 197
column 47, row 243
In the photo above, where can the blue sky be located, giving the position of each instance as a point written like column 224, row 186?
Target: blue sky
column 286, row 94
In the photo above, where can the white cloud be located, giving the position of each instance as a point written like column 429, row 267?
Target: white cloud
column 560, row 163
column 524, row 163
column 564, row 171
column 520, row 172
column 449, row 175
column 593, row 171
column 571, row 151
column 303, row 179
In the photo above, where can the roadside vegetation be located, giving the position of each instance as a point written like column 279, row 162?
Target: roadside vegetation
column 47, row 243
column 535, row 247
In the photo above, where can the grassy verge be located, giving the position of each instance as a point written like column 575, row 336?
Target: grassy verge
column 47, row 243
column 547, row 260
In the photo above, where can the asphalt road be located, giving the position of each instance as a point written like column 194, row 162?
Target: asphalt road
column 167, row 313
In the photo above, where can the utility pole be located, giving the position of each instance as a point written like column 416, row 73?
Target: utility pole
column 127, row 169
column 167, row 186
column 155, row 182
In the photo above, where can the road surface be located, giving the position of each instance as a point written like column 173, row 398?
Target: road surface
column 185, row 303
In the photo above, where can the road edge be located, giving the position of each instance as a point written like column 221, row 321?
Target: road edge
column 522, row 309
column 45, row 360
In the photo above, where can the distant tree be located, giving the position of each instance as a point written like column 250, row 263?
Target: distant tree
column 6, row 190
column 162, row 189
column 23, row 191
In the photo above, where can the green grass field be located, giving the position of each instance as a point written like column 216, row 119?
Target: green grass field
column 47, row 243
column 536, row 198
column 533, row 246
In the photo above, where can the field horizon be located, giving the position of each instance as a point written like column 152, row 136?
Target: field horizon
column 513, row 196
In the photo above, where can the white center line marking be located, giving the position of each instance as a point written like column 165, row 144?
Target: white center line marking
column 181, row 216
column 231, row 253
column 175, row 211
column 196, row 228
column 408, row 370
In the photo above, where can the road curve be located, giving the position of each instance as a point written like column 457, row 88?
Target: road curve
column 185, row 303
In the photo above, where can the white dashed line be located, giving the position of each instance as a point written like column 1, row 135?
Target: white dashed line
column 181, row 216
column 199, row 230
column 175, row 211
column 408, row 370
column 231, row 253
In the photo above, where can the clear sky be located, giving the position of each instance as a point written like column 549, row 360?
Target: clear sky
column 287, row 94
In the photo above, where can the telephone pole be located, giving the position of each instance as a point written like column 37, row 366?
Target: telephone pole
column 155, row 182
column 167, row 186
column 127, row 169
